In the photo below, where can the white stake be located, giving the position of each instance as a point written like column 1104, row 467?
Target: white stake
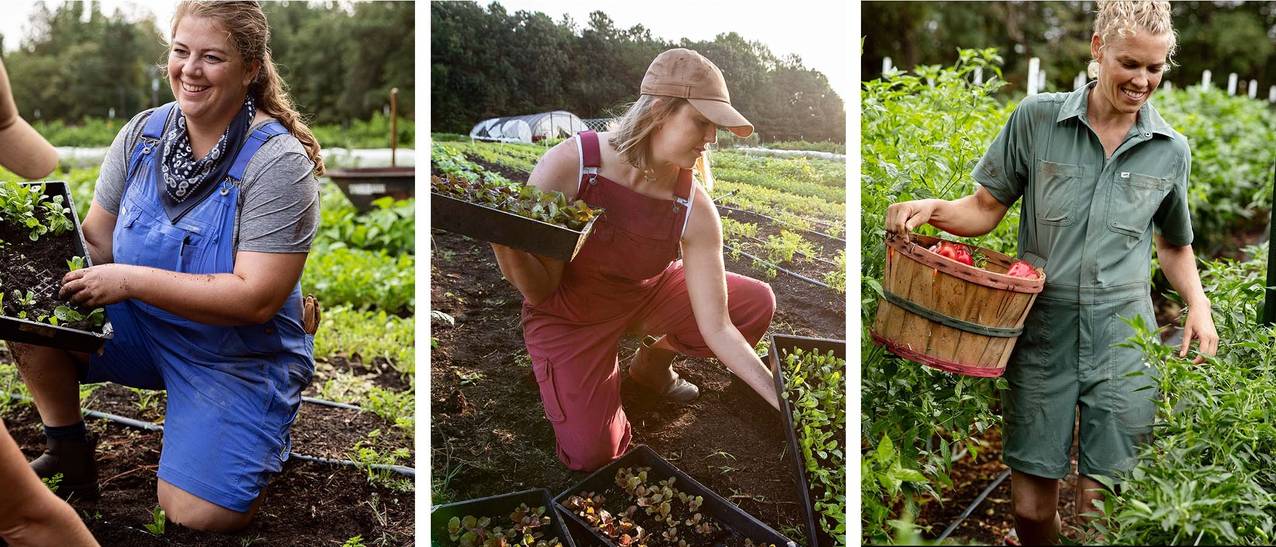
column 1041, row 81
column 1253, row 88
column 1231, row 84
column 1205, row 79
column 1169, row 86
column 979, row 75
column 886, row 65
column 1271, row 94
column 1034, row 64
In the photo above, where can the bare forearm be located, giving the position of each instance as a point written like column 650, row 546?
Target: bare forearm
column 527, row 272
column 1179, row 265
column 963, row 217
column 730, row 347
column 216, row 299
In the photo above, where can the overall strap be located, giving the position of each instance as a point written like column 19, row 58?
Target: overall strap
column 685, row 194
column 152, row 131
column 251, row 145
column 590, row 158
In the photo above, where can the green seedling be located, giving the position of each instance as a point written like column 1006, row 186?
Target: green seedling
column 158, row 521
column 75, row 263
column 525, row 529
column 53, row 483
column 817, row 398
column 525, row 201
column 24, row 300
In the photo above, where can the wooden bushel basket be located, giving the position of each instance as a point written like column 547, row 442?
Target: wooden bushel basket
column 950, row 316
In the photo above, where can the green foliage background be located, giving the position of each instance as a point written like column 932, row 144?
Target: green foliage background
column 487, row 62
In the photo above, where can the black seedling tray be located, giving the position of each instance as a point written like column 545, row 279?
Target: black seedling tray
column 822, row 345
column 723, row 511
column 44, row 334
column 488, row 224
column 497, row 508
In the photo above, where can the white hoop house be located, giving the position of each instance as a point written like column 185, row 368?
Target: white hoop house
column 529, row 128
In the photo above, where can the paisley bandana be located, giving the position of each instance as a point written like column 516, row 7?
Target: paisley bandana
column 186, row 177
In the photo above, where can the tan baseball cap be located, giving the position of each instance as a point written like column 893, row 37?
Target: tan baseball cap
column 22, row 150
column 684, row 73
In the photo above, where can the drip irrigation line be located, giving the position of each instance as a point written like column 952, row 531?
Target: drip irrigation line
column 332, row 404
column 995, row 483
column 153, row 427
column 780, row 269
column 798, row 251
column 789, row 224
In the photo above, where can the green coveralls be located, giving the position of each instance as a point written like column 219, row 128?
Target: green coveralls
column 1091, row 220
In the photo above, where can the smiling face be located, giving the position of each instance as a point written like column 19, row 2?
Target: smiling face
column 207, row 75
column 682, row 137
column 1130, row 70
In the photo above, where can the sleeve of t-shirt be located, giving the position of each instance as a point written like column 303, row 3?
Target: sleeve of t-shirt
column 1004, row 168
column 280, row 209
column 111, row 182
column 1172, row 218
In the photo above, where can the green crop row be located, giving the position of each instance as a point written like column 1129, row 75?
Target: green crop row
column 390, row 226
column 362, row 279
column 371, row 133
column 347, row 332
column 800, row 176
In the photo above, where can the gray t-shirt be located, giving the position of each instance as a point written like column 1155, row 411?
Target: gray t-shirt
column 278, row 197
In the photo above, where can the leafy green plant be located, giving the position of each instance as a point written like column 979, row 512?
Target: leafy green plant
column 52, row 483
column 525, row 201
column 75, row 263
column 364, row 280
column 816, row 394
column 367, row 455
column 390, row 226
column 158, row 521
column 525, row 529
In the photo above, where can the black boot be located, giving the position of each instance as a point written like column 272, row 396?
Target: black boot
column 73, row 459
column 647, row 358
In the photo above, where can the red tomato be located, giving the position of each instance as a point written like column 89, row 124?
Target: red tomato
column 1022, row 269
column 954, row 251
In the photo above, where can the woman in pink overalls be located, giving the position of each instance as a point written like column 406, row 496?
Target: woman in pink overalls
column 628, row 277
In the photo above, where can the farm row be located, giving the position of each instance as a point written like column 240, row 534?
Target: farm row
column 361, row 268
column 728, row 439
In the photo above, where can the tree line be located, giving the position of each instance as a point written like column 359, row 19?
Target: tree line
column 486, row 62
column 1222, row 37
column 339, row 60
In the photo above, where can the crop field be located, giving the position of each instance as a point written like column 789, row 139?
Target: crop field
column 783, row 222
column 361, row 269
column 931, row 441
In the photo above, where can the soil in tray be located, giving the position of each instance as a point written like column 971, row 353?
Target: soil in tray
column 489, row 433
column 616, row 501
column 306, row 504
column 37, row 266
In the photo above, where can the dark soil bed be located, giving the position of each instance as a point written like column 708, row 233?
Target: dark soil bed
column 507, row 172
column 38, row 267
column 488, row 430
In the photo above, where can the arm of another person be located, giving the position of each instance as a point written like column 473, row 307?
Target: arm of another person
column 707, row 287
column 30, row 515
column 537, row 277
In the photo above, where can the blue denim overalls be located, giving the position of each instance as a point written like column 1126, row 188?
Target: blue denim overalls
column 233, row 392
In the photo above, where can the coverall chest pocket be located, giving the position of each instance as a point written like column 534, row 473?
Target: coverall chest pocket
column 1055, row 192
column 1132, row 201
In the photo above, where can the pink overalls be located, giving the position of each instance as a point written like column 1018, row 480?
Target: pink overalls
column 626, row 279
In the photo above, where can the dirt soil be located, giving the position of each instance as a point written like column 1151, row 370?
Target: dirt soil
column 40, row 266
column 307, row 503
column 489, row 433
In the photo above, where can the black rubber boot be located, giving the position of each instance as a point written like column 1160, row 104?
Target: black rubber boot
column 73, row 459
column 679, row 390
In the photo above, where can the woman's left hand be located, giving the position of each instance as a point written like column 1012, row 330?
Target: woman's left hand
column 1199, row 325
column 97, row 286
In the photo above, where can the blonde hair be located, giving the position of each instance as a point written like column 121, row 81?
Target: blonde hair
column 631, row 134
column 245, row 25
column 1125, row 18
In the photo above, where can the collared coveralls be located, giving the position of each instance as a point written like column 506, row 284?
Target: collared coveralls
column 1091, row 218
column 625, row 279
column 233, row 392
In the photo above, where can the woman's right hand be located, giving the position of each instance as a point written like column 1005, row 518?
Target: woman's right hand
column 904, row 217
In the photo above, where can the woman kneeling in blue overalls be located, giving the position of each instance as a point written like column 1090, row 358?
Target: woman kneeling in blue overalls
column 200, row 225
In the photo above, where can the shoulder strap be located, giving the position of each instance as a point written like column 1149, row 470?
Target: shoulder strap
column 251, row 145
column 685, row 194
column 590, row 158
column 153, row 130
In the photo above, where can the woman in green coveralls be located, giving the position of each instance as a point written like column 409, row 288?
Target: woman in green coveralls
column 1097, row 169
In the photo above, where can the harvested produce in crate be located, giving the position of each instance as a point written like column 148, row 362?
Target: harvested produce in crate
column 1022, row 269
column 525, row 201
column 654, row 514
column 524, row 530
column 953, row 251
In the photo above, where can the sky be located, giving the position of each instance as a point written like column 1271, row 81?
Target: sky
column 17, row 14
column 815, row 31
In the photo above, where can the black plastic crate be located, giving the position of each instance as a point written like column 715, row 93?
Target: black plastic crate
column 715, row 506
column 44, row 334
column 822, row 345
column 489, row 224
column 497, row 507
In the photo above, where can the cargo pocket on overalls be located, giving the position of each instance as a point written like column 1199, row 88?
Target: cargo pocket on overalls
column 1134, row 382
column 544, row 371
column 1055, row 192
column 1026, row 372
column 1133, row 200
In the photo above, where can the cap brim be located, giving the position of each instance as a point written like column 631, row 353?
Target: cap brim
column 25, row 152
column 723, row 115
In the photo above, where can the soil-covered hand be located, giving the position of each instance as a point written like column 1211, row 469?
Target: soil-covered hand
column 903, row 217
column 1199, row 325
column 96, row 286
